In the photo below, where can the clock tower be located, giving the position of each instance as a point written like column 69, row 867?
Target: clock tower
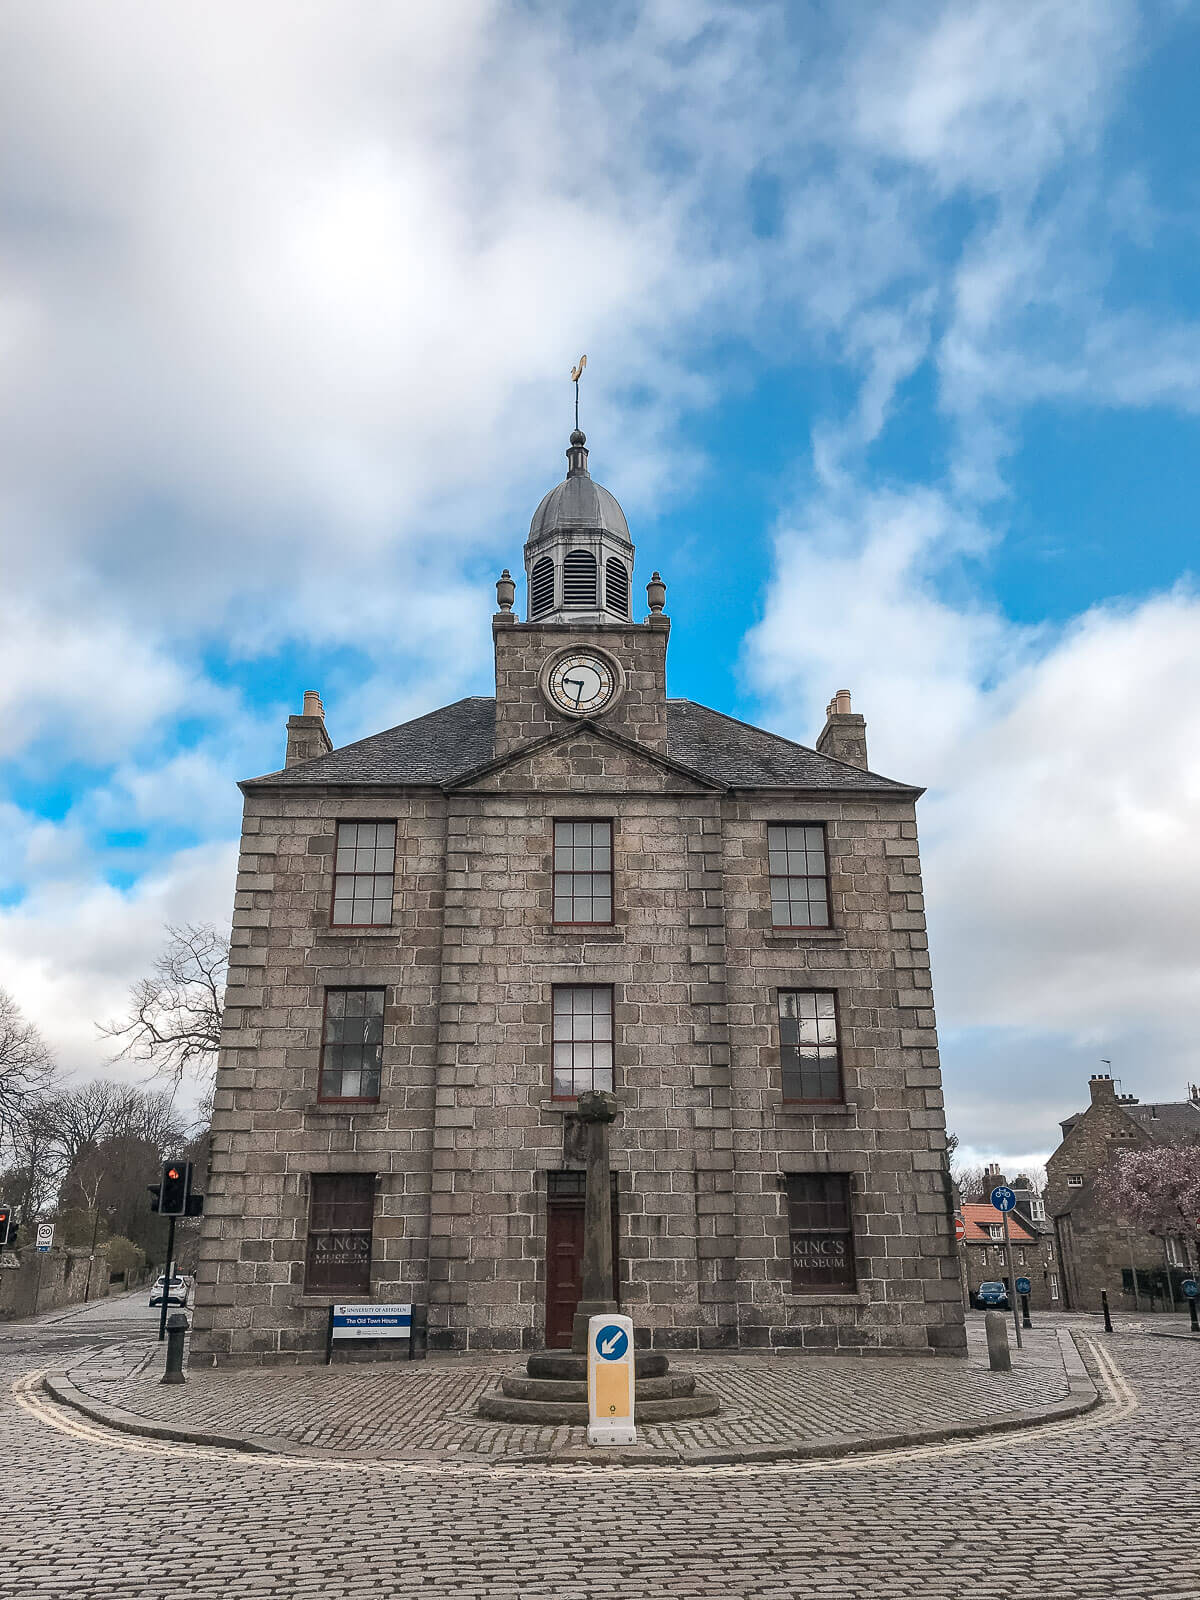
column 579, row 655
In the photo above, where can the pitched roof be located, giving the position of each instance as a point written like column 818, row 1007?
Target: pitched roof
column 979, row 1216
column 445, row 745
column 1168, row 1122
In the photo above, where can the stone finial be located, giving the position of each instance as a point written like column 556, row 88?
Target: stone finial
column 656, row 593
column 506, row 590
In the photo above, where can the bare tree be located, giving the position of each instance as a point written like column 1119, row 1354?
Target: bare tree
column 174, row 1018
column 26, row 1067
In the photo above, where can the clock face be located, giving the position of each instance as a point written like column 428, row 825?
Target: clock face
column 581, row 684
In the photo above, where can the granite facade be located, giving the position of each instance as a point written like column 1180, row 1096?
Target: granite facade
column 467, row 1129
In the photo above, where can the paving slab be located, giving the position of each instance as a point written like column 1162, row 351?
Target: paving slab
column 774, row 1406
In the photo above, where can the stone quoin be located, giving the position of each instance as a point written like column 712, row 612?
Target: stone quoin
column 447, row 932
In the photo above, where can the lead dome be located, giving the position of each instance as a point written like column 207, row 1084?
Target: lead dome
column 579, row 556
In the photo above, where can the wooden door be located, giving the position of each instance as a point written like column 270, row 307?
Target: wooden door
column 564, row 1253
column 564, row 1269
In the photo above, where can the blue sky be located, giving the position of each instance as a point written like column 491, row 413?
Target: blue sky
column 893, row 326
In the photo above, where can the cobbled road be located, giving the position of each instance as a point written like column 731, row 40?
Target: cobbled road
column 1098, row 1507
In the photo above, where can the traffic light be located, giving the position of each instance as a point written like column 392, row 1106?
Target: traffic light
column 175, row 1187
column 195, row 1205
column 8, row 1226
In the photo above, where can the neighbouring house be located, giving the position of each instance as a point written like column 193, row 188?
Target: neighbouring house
column 1034, row 1255
column 1097, row 1249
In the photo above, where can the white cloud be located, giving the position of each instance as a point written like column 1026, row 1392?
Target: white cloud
column 1062, row 864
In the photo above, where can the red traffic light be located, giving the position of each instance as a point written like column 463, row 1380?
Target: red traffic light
column 172, row 1172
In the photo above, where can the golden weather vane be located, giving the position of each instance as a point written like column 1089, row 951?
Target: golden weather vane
column 576, row 374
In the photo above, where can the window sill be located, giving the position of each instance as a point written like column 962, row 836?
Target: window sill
column 322, row 1302
column 568, row 1108
column 819, row 1108
column 830, row 1297
column 795, row 936
column 579, row 931
column 364, row 932
column 345, row 1108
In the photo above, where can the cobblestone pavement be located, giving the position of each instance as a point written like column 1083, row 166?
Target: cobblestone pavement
column 424, row 1408
column 1099, row 1506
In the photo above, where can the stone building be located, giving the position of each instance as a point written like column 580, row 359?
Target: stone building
column 444, row 933
column 1096, row 1249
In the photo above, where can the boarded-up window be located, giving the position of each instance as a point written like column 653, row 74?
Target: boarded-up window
column 341, row 1208
column 821, row 1236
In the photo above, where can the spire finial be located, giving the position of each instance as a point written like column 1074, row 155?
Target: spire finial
column 576, row 374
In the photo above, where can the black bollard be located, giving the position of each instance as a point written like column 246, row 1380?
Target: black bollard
column 177, row 1326
column 1104, row 1306
column 1192, row 1314
column 418, row 1334
column 1025, row 1322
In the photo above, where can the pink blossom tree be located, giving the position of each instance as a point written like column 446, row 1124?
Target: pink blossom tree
column 1156, row 1189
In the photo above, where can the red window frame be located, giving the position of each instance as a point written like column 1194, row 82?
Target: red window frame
column 563, row 1046
column 786, row 853
column 588, row 872
column 828, row 1049
column 326, row 1041
column 362, row 822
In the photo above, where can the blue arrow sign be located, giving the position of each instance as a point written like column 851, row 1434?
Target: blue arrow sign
column 611, row 1343
column 1023, row 1286
column 1003, row 1198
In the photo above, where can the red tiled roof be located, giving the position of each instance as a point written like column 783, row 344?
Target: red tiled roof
column 980, row 1215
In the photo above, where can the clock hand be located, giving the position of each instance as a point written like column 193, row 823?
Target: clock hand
column 577, row 684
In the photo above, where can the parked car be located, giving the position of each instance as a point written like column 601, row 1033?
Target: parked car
column 991, row 1296
column 177, row 1294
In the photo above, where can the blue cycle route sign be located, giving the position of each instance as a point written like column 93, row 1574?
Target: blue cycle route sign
column 1023, row 1286
column 1003, row 1198
column 611, row 1343
column 1190, row 1288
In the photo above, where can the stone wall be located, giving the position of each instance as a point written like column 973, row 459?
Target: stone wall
column 55, row 1278
column 467, row 1129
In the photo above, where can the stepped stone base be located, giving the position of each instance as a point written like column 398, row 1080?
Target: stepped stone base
column 554, row 1392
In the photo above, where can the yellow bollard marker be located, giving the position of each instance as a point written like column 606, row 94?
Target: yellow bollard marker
column 610, row 1381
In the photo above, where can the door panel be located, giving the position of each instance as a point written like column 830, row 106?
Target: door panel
column 564, row 1254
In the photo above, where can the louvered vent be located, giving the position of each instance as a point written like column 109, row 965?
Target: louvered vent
column 579, row 581
column 616, row 587
column 541, row 587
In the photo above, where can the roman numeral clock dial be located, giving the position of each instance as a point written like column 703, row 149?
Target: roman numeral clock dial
column 581, row 684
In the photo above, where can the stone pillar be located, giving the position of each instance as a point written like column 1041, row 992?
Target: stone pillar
column 597, row 1110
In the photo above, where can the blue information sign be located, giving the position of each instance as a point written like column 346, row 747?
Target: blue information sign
column 1003, row 1198
column 1190, row 1288
column 1023, row 1286
column 611, row 1342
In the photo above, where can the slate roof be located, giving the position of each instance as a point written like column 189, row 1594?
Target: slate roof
column 1170, row 1122
column 446, row 744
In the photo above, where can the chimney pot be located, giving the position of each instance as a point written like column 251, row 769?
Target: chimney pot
column 312, row 704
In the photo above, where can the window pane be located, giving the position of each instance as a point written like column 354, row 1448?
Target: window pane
column 822, row 1244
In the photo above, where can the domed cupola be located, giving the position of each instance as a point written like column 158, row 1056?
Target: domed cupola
column 579, row 556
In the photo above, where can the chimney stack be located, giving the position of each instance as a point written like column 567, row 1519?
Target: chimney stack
column 306, row 735
column 1102, row 1089
column 844, row 736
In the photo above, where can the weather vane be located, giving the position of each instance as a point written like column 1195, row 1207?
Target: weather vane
column 576, row 374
